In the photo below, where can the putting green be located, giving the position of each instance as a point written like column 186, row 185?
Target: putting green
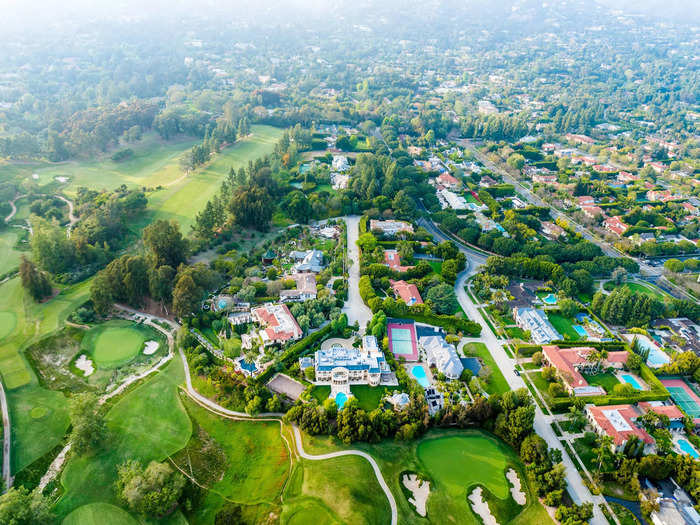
column 115, row 343
column 38, row 412
column 461, row 461
column 98, row 513
column 8, row 321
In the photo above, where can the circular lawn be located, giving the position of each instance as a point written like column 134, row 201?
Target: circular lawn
column 8, row 320
column 115, row 343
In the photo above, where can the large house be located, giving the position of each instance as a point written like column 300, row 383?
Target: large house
column 308, row 261
column 592, row 212
column 279, row 325
column 448, row 181
column 536, row 322
column 390, row 227
column 393, row 260
column 340, row 367
column 551, row 230
column 615, row 225
column 340, row 163
column 619, row 422
column 570, row 363
column 452, row 200
column 305, row 290
column 407, row 292
column 442, row 355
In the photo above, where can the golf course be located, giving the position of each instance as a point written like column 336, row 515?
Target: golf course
column 117, row 342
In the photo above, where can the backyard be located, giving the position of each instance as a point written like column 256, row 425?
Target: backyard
column 497, row 383
column 564, row 326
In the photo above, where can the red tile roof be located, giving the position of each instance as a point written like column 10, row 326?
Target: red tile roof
column 408, row 292
column 672, row 411
column 603, row 415
column 278, row 321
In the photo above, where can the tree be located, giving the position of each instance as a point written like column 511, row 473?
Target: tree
column 19, row 506
column 165, row 243
column 674, row 266
column 186, row 296
column 574, row 514
column 516, row 161
column 568, row 307
column 299, row 207
column 252, row 207
column 619, row 276
column 87, row 422
column 443, row 299
column 153, row 491
column 34, row 280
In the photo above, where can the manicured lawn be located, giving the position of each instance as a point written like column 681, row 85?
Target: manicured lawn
column 436, row 266
column 605, row 379
column 256, row 462
column 540, row 383
column 9, row 257
column 321, row 393
column 148, row 423
column 586, row 453
column 115, row 343
column 454, row 461
column 498, row 383
column 368, row 397
column 98, row 513
column 515, row 332
column 564, row 326
column 647, row 289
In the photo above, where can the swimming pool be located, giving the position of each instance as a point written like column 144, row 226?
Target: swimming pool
column 656, row 357
column 340, row 400
column 550, row 299
column 687, row 448
column 419, row 374
column 627, row 378
column 580, row 330
column 223, row 303
column 245, row 365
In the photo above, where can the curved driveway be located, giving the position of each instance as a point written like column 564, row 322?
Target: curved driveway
column 354, row 307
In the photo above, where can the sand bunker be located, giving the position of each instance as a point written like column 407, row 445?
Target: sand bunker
column 481, row 507
column 516, row 490
column 62, row 179
column 85, row 364
column 420, row 490
column 35, row 176
column 150, row 347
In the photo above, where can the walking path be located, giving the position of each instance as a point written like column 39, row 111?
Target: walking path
column 14, row 208
column 71, row 216
column 6, row 439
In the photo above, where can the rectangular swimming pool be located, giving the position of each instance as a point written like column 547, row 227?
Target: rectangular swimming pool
column 688, row 449
column 580, row 330
column 627, row 378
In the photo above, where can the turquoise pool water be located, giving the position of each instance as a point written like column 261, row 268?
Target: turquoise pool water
column 550, row 299
column 340, row 400
column 687, row 448
column 223, row 303
column 580, row 330
column 627, row 378
column 419, row 374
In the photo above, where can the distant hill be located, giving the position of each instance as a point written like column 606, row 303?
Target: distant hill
column 678, row 10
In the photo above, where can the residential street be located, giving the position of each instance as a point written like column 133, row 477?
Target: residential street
column 354, row 307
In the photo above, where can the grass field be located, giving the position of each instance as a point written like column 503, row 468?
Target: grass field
column 453, row 461
column 96, row 513
column 648, row 289
column 9, row 257
column 148, row 423
column 564, row 326
column 605, row 379
column 116, row 342
column 498, row 383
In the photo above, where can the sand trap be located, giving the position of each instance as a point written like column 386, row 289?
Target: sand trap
column 420, row 490
column 150, row 347
column 84, row 364
column 516, row 490
column 35, row 176
column 62, row 179
column 481, row 507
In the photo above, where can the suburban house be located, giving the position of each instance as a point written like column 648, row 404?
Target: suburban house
column 570, row 363
column 340, row 163
column 659, row 195
column 552, row 230
column 390, row 227
column 279, row 325
column 615, row 225
column 536, row 322
column 407, row 292
column 308, row 261
column 393, row 260
column 618, row 422
column 442, row 355
column 592, row 212
column 434, row 399
column 544, row 179
column 448, row 181
column 579, row 139
column 450, row 199
column 626, row 177
column 672, row 412
column 305, row 290
column 585, row 200
column 340, row 367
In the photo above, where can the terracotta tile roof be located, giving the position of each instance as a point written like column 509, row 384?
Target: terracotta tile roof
column 617, row 421
column 408, row 292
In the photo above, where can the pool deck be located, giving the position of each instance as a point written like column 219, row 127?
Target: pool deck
column 641, row 382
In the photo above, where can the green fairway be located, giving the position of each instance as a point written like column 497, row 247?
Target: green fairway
column 115, row 343
column 98, row 513
column 8, row 321
column 459, row 462
column 564, row 326
column 9, row 257
column 148, row 423
column 497, row 384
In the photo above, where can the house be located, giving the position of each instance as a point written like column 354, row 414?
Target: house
column 487, row 182
column 615, row 225
column 579, row 139
column 672, row 412
column 626, row 177
column 442, row 355
column 269, row 256
column 658, row 167
column 552, row 230
column 392, row 259
column 340, row 163
column 618, row 422
column 390, row 227
column 308, row 261
column 414, row 151
column 592, row 212
column 544, row 179
column 399, row 400
column 339, row 181
column 659, row 195
column 454, row 201
column 340, row 367
column 690, row 209
column 603, row 168
column 570, row 363
column 279, row 325
column 585, row 200
column 406, row 292
column 448, row 181
column 305, row 290
column 434, row 399
column 536, row 322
